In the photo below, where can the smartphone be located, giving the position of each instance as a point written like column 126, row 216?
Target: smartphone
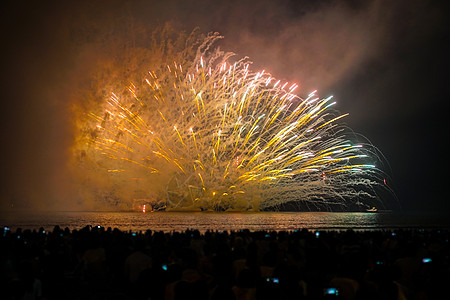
column 164, row 267
column 5, row 230
column 272, row 279
column 317, row 234
column 426, row 260
column 331, row 291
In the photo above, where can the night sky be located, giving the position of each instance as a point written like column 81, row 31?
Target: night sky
column 385, row 62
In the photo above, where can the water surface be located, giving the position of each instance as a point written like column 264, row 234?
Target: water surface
column 180, row 221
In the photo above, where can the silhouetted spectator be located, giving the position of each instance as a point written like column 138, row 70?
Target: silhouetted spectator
column 137, row 262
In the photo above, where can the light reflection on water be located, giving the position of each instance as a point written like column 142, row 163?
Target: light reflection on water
column 180, row 221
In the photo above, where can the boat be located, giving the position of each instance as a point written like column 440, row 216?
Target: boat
column 148, row 205
column 373, row 209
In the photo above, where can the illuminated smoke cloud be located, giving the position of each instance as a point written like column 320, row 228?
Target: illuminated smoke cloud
column 219, row 136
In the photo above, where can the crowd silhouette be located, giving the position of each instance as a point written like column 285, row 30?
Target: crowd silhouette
column 104, row 263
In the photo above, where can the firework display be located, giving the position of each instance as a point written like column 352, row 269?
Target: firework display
column 220, row 136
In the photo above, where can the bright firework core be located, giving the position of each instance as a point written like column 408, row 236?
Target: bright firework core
column 219, row 136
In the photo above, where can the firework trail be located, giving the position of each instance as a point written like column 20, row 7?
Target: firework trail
column 224, row 137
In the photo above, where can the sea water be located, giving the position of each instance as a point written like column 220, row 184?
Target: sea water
column 202, row 221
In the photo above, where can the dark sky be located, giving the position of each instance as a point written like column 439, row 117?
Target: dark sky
column 385, row 62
